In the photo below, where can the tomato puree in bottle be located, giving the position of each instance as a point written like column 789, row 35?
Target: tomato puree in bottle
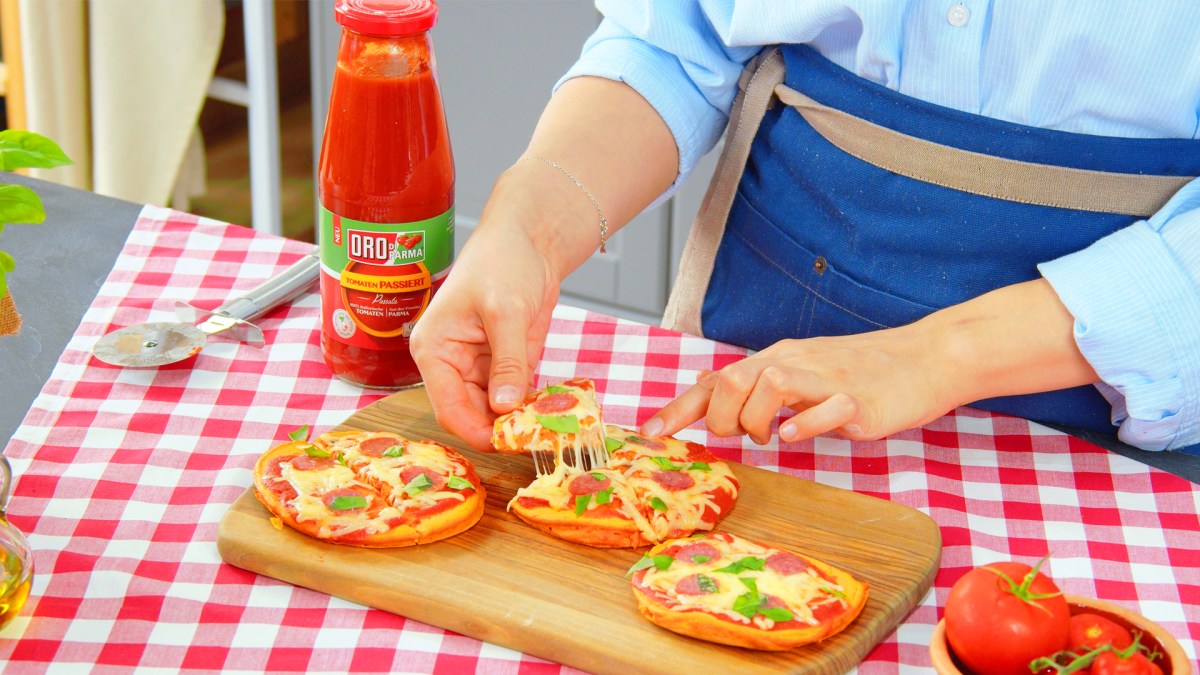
column 386, row 191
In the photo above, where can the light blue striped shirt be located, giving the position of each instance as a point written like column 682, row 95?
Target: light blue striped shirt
column 1103, row 67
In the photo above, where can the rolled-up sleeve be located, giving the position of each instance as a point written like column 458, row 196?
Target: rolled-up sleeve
column 1135, row 296
column 671, row 55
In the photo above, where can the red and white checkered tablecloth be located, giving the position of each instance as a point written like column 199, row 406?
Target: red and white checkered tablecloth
column 124, row 474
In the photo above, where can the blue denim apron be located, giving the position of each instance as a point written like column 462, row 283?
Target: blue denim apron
column 819, row 242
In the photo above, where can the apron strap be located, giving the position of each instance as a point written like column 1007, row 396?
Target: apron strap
column 758, row 84
column 1127, row 194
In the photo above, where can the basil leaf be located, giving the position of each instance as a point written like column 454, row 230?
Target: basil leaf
column 663, row 562
column 21, row 149
column 739, row 566
column 611, row 444
column 777, row 613
column 599, row 477
column 701, row 558
column 555, row 389
column 746, row 605
column 394, row 451
column 752, row 563
column 314, row 451
column 665, row 463
column 347, row 502
column 581, row 504
column 300, row 434
column 836, row 593
column 635, row 439
column 645, row 563
column 19, row 204
column 706, row 584
column 563, row 424
column 699, row 466
column 751, row 583
column 604, row 496
column 417, row 485
column 459, row 483
column 658, row 504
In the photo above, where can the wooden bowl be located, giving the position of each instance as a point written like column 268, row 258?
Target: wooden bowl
column 1174, row 661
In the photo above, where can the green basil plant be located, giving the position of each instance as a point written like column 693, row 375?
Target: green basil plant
column 19, row 204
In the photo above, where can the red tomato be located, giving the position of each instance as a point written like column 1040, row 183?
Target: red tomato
column 1089, row 631
column 1000, row 617
column 1111, row 663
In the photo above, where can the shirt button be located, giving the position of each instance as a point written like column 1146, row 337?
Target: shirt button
column 958, row 16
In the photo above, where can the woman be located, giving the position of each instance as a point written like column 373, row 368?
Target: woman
column 938, row 205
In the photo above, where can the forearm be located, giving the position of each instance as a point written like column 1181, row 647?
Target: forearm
column 1014, row 340
column 613, row 142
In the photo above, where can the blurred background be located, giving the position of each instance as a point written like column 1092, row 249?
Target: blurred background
column 216, row 107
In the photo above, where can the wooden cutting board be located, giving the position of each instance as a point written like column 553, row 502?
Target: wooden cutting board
column 505, row 583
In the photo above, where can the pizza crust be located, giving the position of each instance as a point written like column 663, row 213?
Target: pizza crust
column 589, row 531
column 426, row 529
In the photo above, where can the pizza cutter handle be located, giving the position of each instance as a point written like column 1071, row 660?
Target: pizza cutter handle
column 285, row 287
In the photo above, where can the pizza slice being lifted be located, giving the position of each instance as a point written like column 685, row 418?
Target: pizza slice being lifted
column 562, row 420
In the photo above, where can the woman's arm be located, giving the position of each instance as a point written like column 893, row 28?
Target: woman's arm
column 477, row 343
column 1014, row 340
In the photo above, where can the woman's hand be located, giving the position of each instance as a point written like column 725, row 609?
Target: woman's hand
column 484, row 331
column 1014, row 340
column 863, row 386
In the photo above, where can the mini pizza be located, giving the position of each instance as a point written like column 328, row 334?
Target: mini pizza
column 722, row 588
column 370, row 489
column 651, row 489
column 563, row 417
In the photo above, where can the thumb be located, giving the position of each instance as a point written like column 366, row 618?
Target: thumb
column 509, row 375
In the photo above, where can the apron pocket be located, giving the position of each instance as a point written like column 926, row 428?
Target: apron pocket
column 766, row 286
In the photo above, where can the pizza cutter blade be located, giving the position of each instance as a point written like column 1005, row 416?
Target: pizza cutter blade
column 149, row 345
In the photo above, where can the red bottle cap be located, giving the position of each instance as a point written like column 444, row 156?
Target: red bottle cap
column 386, row 18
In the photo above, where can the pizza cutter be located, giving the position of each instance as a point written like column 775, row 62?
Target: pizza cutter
column 149, row 345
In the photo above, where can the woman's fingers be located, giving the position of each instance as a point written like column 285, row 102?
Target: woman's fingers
column 776, row 388
column 459, row 404
column 681, row 412
column 509, row 375
column 839, row 411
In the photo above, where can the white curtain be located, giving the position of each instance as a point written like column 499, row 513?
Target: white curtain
column 119, row 84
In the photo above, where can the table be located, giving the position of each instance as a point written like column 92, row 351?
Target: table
column 125, row 474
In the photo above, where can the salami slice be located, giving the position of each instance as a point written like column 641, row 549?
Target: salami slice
column 346, row 496
column 586, row 484
column 788, row 564
column 555, row 403
column 375, row 447
column 307, row 463
column 673, row 480
column 408, row 473
column 700, row 549
column 651, row 443
column 695, row 584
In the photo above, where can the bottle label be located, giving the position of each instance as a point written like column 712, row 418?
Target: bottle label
column 377, row 278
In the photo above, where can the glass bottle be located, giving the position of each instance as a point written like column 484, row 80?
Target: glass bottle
column 386, row 191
